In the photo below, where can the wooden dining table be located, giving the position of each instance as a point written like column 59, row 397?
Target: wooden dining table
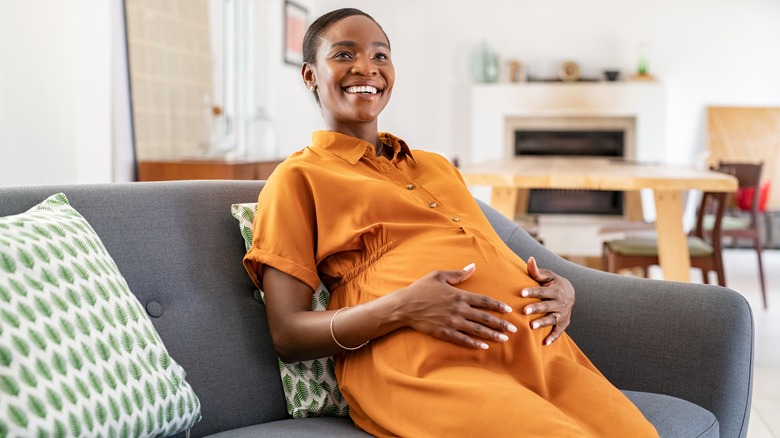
column 511, row 178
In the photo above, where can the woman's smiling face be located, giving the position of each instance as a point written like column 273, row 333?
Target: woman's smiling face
column 354, row 74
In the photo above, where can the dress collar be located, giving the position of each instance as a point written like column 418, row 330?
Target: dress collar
column 351, row 149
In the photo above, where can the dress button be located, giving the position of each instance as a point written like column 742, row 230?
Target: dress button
column 410, row 187
column 433, row 204
column 456, row 219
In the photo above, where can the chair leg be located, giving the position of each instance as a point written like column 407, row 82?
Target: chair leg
column 607, row 262
column 768, row 224
column 759, row 250
column 720, row 272
column 721, row 276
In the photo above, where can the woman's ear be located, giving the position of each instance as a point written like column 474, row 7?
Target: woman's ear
column 308, row 75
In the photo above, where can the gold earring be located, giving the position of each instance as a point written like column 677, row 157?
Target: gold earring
column 313, row 88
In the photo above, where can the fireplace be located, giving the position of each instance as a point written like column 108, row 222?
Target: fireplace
column 570, row 143
column 495, row 111
column 573, row 136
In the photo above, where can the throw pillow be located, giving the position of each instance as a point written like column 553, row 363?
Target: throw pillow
column 310, row 386
column 78, row 354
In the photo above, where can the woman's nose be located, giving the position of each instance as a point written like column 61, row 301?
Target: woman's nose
column 363, row 66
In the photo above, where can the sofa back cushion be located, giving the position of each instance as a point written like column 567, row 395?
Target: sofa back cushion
column 177, row 247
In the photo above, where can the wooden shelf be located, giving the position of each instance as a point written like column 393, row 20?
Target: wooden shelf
column 205, row 169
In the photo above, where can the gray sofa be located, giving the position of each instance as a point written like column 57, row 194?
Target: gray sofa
column 682, row 352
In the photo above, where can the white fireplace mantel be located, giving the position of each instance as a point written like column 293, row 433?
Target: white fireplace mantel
column 493, row 105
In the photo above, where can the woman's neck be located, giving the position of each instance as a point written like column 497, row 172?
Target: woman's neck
column 367, row 133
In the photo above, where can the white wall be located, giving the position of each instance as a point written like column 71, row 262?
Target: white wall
column 55, row 108
column 724, row 52
column 281, row 90
column 93, row 103
column 55, row 69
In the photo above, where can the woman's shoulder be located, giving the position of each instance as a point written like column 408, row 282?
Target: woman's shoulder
column 301, row 161
column 302, row 168
column 428, row 155
column 432, row 158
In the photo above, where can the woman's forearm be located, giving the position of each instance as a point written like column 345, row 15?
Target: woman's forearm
column 312, row 334
column 299, row 333
column 431, row 305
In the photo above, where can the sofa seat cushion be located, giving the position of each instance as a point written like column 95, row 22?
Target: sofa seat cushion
column 299, row 427
column 674, row 417
column 671, row 416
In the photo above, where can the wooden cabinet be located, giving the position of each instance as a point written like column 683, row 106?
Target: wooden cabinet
column 205, row 169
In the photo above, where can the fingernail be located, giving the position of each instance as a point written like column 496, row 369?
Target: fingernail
column 548, row 342
column 507, row 309
column 470, row 267
column 511, row 328
column 524, row 293
column 535, row 325
column 503, row 337
column 528, row 310
column 483, row 346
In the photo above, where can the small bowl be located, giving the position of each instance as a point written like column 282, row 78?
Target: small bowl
column 612, row 75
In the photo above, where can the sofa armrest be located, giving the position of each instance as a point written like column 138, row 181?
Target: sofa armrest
column 691, row 341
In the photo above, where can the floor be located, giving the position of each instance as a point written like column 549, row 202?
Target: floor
column 565, row 236
column 741, row 276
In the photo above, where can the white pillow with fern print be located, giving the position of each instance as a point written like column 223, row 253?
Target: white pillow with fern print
column 310, row 386
column 78, row 354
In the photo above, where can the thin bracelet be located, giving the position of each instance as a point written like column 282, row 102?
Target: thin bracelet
column 334, row 336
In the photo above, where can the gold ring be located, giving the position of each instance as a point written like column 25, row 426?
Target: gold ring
column 555, row 315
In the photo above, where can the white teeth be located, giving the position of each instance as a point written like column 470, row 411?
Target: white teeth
column 368, row 89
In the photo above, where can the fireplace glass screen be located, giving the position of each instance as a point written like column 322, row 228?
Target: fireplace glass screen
column 572, row 143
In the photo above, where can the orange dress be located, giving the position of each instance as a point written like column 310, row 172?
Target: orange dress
column 367, row 226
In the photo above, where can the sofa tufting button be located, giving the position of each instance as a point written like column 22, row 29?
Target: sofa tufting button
column 154, row 309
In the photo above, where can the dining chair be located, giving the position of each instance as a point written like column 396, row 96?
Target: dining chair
column 642, row 251
column 741, row 221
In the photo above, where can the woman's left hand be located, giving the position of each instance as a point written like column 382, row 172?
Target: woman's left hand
column 557, row 299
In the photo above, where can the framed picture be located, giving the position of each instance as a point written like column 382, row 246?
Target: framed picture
column 295, row 22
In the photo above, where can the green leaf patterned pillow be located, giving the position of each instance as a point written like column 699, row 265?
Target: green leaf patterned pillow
column 309, row 386
column 78, row 354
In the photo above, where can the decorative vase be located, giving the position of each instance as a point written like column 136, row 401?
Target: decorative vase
column 485, row 64
column 263, row 142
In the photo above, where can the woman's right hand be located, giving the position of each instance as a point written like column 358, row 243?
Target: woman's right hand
column 432, row 305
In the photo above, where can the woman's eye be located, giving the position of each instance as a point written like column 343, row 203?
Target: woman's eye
column 342, row 55
column 381, row 56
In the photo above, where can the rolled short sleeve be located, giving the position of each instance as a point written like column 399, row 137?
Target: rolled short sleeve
column 285, row 228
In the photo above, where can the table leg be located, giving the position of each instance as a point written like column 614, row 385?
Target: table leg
column 504, row 199
column 523, row 196
column 673, row 252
